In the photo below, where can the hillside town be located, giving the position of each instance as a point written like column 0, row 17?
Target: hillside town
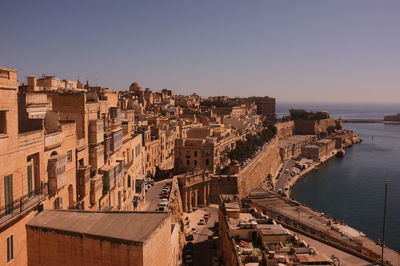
column 96, row 176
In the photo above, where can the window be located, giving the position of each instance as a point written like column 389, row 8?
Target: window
column 69, row 156
column 58, row 204
column 8, row 193
column 195, row 154
column 3, row 122
column 195, row 162
column 188, row 162
column 129, row 181
column 4, row 74
column 10, row 248
column 207, row 162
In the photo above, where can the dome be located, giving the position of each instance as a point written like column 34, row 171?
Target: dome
column 135, row 86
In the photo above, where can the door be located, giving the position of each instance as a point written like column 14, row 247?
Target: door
column 29, row 174
column 8, row 193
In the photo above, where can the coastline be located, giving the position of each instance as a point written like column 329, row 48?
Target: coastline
column 390, row 254
column 371, row 121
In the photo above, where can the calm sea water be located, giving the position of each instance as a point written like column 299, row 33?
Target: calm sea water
column 352, row 188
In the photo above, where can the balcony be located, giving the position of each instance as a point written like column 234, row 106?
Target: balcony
column 83, row 181
column 108, row 178
column 119, row 170
column 36, row 105
column 96, row 189
column 96, row 157
column 96, row 131
column 53, row 140
column 116, row 139
column 23, row 204
column 56, row 173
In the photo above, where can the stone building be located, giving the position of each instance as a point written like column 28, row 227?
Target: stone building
column 319, row 150
column 101, row 238
column 195, row 189
column 291, row 146
column 249, row 237
column 62, row 147
column 206, row 150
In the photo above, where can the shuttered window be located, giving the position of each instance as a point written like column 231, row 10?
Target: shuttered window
column 10, row 248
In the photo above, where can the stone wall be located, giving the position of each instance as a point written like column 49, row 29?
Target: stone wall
column 313, row 127
column 223, row 184
column 252, row 176
column 266, row 163
column 284, row 130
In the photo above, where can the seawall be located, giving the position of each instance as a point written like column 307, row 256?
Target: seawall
column 266, row 163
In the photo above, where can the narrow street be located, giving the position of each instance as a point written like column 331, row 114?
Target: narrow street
column 203, row 249
column 152, row 195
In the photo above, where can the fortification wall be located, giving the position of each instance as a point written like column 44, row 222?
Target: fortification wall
column 313, row 127
column 285, row 129
column 223, row 184
column 266, row 163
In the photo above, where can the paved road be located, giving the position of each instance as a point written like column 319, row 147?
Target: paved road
column 284, row 177
column 346, row 259
column 152, row 195
column 202, row 253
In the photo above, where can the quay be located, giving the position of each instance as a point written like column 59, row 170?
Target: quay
column 318, row 226
column 313, row 224
column 369, row 121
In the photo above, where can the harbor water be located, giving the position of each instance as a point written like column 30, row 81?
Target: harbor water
column 351, row 189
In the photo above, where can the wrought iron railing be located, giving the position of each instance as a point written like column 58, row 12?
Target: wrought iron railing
column 22, row 203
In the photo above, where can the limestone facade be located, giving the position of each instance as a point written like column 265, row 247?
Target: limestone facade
column 195, row 190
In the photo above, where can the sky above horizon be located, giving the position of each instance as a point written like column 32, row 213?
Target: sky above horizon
column 330, row 51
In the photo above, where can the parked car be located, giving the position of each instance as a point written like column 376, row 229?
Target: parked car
column 164, row 201
column 162, row 208
column 212, row 245
column 193, row 230
column 164, row 195
column 189, row 237
column 202, row 221
column 188, row 258
column 207, row 216
column 163, row 204
column 215, row 261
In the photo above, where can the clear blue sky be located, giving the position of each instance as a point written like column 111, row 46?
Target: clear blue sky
column 292, row 50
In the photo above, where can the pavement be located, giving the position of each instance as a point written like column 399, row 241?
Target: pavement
column 152, row 195
column 202, row 253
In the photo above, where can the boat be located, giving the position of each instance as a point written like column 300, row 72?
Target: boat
column 340, row 153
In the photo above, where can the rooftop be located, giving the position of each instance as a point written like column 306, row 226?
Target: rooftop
column 128, row 226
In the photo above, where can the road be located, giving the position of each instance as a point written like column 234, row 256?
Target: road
column 284, row 177
column 346, row 259
column 202, row 252
column 152, row 195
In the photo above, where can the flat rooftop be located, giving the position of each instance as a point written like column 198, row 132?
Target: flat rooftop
column 128, row 226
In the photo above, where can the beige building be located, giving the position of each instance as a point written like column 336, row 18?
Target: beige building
column 101, row 238
column 195, row 190
column 23, row 178
column 291, row 146
column 319, row 150
column 62, row 148
column 206, row 150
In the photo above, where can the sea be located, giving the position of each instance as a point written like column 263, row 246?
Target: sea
column 352, row 188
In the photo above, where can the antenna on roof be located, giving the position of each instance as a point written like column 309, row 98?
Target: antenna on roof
column 384, row 221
